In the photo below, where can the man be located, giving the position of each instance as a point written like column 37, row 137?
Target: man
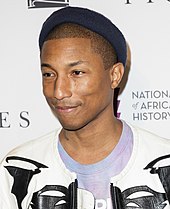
column 94, row 160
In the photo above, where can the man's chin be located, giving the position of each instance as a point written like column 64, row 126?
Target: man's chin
column 70, row 127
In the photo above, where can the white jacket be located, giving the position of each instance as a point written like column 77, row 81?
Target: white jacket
column 33, row 176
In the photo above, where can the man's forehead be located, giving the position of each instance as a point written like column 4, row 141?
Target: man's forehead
column 66, row 44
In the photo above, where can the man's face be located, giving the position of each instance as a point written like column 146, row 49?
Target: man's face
column 75, row 83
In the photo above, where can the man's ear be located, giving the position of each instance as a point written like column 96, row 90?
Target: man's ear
column 116, row 74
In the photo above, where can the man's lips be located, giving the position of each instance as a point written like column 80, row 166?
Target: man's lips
column 65, row 109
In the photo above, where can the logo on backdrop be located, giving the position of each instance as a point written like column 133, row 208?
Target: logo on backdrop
column 47, row 3
column 6, row 119
column 130, row 2
column 150, row 105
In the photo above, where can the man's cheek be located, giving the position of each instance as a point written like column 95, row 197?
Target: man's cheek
column 86, row 89
column 48, row 90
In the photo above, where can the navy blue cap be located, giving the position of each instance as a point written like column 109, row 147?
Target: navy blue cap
column 91, row 20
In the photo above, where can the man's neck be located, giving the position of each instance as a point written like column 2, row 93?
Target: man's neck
column 94, row 142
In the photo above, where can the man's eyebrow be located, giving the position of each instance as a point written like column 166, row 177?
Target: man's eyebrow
column 45, row 65
column 72, row 64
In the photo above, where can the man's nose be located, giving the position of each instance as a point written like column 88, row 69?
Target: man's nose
column 62, row 88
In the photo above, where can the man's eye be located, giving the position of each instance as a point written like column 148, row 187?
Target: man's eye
column 48, row 75
column 77, row 72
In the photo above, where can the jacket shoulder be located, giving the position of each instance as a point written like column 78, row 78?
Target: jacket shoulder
column 35, row 146
column 151, row 141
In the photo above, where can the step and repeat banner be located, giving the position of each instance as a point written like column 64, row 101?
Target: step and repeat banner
column 144, row 94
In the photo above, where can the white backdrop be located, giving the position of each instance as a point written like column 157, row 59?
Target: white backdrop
column 145, row 100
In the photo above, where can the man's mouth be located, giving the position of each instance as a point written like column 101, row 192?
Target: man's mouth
column 65, row 109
